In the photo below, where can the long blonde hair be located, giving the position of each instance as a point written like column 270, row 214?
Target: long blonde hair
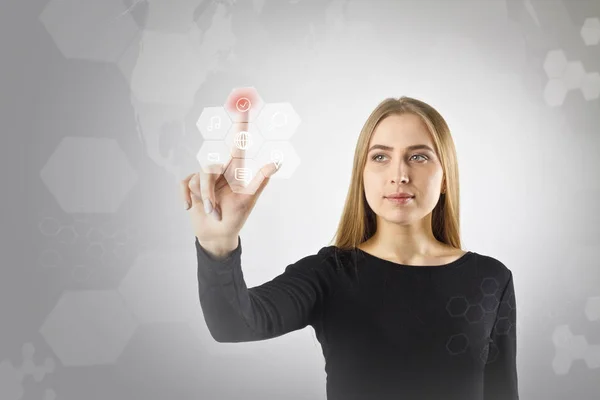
column 358, row 221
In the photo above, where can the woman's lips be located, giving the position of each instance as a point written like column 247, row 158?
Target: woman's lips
column 400, row 200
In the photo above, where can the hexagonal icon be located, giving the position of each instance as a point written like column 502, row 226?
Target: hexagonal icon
column 489, row 303
column 573, row 75
column 213, row 156
column 590, row 31
column 555, row 63
column 590, row 86
column 166, row 273
column 213, row 123
column 278, row 121
column 49, row 226
column 67, row 235
column 489, row 285
column 474, row 313
column 89, row 327
column 244, row 140
column 282, row 155
column 244, row 175
column 91, row 30
column 457, row 306
column 555, row 92
column 592, row 308
column 457, row 344
column 244, row 104
column 89, row 172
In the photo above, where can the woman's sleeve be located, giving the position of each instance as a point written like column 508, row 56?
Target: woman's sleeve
column 235, row 313
column 500, row 380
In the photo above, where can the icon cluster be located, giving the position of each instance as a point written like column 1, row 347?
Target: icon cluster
column 245, row 125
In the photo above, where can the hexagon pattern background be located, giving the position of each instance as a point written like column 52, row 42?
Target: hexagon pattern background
column 110, row 104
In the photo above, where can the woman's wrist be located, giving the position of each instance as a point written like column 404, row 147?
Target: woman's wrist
column 220, row 249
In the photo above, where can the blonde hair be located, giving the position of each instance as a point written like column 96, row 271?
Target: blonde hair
column 358, row 221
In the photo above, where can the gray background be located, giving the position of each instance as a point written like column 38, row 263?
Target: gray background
column 99, row 103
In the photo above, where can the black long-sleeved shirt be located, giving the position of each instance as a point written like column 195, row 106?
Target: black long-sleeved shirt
column 387, row 330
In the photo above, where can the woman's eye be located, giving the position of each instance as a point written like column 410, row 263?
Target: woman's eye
column 374, row 158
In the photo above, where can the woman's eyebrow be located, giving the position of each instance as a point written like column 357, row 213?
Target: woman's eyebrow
column 389, row 148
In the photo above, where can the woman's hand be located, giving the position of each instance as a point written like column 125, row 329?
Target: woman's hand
column 227, row 209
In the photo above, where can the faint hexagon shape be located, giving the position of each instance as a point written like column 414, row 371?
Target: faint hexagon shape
column 493, row 352
column 88, row 327
column 502, row 326
column 93, row 172
column 244, row 175
column 213, row 123
column 573, row 75
column 213, row 156
column 11, row 385
column 81, row 273
column 489, row 302
column 562, row 337
column 457, row 306
column 91, row 30
column 67, row 235
column 282, row 155
column 561, row 363
column 278, row 121
column 555, row 63
column 95, row 250
column 512, row 303
column 246, row 140
column 590, row 31
column 244, row 104
column 592, row 308
column 95, row 235
column 457, row 344
column 50, row 258
column 474, row 313
column 49, row 226
column 590, row 86
column 168, row 69
column 166, row 273
column 489, row 285
column 555, row 92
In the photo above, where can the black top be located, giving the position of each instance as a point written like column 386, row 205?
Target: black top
column 387, row 330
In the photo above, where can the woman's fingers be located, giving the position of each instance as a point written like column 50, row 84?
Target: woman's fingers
column 185, row 191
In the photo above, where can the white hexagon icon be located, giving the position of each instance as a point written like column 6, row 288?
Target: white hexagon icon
column 213, row 156
column 555, row 63
column 244, row 139
column 590, row 31
column 89, row 175
column 281, row 153
column 573, row 75
column 590, row 86
column 213, row 123
column 89, row 29
column 555, row 92
column 278, row 121
column 90, row 327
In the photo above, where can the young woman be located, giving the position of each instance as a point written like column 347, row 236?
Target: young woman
column 400, row 310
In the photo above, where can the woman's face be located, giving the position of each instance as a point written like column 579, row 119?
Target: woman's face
column 399, row 168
